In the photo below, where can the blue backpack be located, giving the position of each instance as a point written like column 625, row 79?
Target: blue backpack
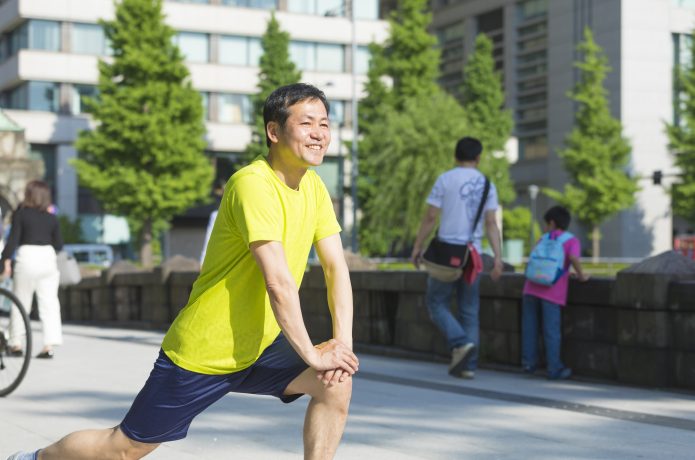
column 546, row 264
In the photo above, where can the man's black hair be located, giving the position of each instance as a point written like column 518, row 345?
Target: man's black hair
column 277, row 105
column 560, row 215
column 468, row 149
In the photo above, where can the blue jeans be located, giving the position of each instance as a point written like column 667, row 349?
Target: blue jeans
column 552, row 333
column 462, row 328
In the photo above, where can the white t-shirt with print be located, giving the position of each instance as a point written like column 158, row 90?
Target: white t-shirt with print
column 457, row 193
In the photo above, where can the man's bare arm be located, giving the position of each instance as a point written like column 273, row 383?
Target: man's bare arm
column 284, row 299
column 493, row 235
column 335, row 270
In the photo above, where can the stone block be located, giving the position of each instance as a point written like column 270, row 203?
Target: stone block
column 505, row 314
column 684, row 370
column 127, row 302
column 654, row 329
column 591, row 358
column 596, row 291
column 411, row 306
column 627, row 327
column 590, row 323
column 177, row 263
column 681, row 296
column 418, row 336
column 683, row 331
column 646, row 284
column 314, row 301
column 644, row 366
column 509, row 286
column 320, row 328
column 494, row 347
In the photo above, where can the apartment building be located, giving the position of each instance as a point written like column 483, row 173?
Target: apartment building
column 535, row 43
column 49, row 51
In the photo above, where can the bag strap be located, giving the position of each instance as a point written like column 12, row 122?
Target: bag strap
column 486, row 191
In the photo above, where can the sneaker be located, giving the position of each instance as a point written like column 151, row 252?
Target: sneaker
column 459, row 358
column 530, row 370
column 45, row 355
column 562, row 374
column 470, row 375
column 23, row 456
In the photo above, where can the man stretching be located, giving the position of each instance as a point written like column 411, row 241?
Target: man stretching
column 242, row 330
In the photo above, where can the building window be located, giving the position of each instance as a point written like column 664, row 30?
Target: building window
column 242, row 51
column 79, row 92
column 366, row 9
column 532, row 9
column 193, row 1
column 337, row 113
column 88, row 39
column 260, row 4
column 533, row 148
column 35, row 95
column 319, row 7
column 37, row 35
column 683, row 3
column 682, row 59
column 362, row 60
column 47, row 154
column 234, row 108
column 322, row 57
column 194, row 46
column 205, row 100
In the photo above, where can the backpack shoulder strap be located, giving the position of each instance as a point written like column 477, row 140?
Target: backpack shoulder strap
column 565, row 237
column 481, row 206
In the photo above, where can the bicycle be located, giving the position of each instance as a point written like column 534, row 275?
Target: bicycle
column 15, row 346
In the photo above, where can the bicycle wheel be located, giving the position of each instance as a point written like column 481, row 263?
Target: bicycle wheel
column 15, row 343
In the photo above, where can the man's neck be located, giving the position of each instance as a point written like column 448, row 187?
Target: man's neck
column 290, row 174
column 467, row 164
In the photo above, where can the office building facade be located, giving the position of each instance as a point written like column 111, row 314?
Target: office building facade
column 535, row 47
column 49, row 51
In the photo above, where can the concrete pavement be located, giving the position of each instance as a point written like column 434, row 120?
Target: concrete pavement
column 401, row 409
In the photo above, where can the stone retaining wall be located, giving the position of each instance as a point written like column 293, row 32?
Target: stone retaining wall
column 646, row 342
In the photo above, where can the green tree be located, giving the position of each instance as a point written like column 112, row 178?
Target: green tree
column 415, row 145
column 487, row 120
column 681, row 136
column 516, row 225
column 145, row 159
column 71, row 230
column 596, row 153
column 276, row 69
column 408, row 60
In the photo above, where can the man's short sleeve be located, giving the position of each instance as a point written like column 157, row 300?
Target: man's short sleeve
column 573, row 247
column 255, row 208
column 436, row 196
column 492, row 203
column 326, row 223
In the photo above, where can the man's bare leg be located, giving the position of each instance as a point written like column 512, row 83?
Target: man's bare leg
column 326, row 415
column 105, row 444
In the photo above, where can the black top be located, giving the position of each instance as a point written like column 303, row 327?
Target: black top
column 31, row 226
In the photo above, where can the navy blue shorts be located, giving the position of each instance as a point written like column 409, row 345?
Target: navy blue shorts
column 173, row 396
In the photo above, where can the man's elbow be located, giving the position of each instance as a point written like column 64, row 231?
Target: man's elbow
column 281, row 289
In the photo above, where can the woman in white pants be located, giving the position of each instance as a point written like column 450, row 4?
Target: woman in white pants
column 34, row 240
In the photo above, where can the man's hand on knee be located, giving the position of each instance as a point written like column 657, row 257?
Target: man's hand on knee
column 337, row 358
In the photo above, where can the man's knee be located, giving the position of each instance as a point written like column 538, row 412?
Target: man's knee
column 338, row 395
column 129, row 449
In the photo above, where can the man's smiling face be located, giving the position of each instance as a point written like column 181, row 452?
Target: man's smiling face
column 306, row 133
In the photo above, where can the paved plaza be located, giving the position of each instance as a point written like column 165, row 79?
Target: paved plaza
column 401, row 410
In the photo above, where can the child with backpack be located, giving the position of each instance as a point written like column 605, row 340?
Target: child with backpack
column 545, row 292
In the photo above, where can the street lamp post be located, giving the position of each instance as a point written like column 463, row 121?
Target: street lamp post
column 353, row 145
column 533, row 194
column 345, row 6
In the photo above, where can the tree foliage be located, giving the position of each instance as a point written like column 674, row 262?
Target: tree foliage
column 415, row 144
column 276, row 69
column 403, row 71
column 596, row 153
column 487, row 120
column 681, row 137
column 145, row 159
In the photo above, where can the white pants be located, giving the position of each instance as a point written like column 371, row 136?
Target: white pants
column 36, row 271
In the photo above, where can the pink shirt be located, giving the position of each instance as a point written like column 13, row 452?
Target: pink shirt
column 557, row 293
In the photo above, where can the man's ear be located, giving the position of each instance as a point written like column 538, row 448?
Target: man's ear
column 272, row 130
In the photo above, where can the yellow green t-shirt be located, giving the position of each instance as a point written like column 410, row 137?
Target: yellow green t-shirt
column 228, row 321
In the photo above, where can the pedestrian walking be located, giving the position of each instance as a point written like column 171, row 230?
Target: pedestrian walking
column 466, row 202
column 33, row 242
column 545, row 292
column 242, row 329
